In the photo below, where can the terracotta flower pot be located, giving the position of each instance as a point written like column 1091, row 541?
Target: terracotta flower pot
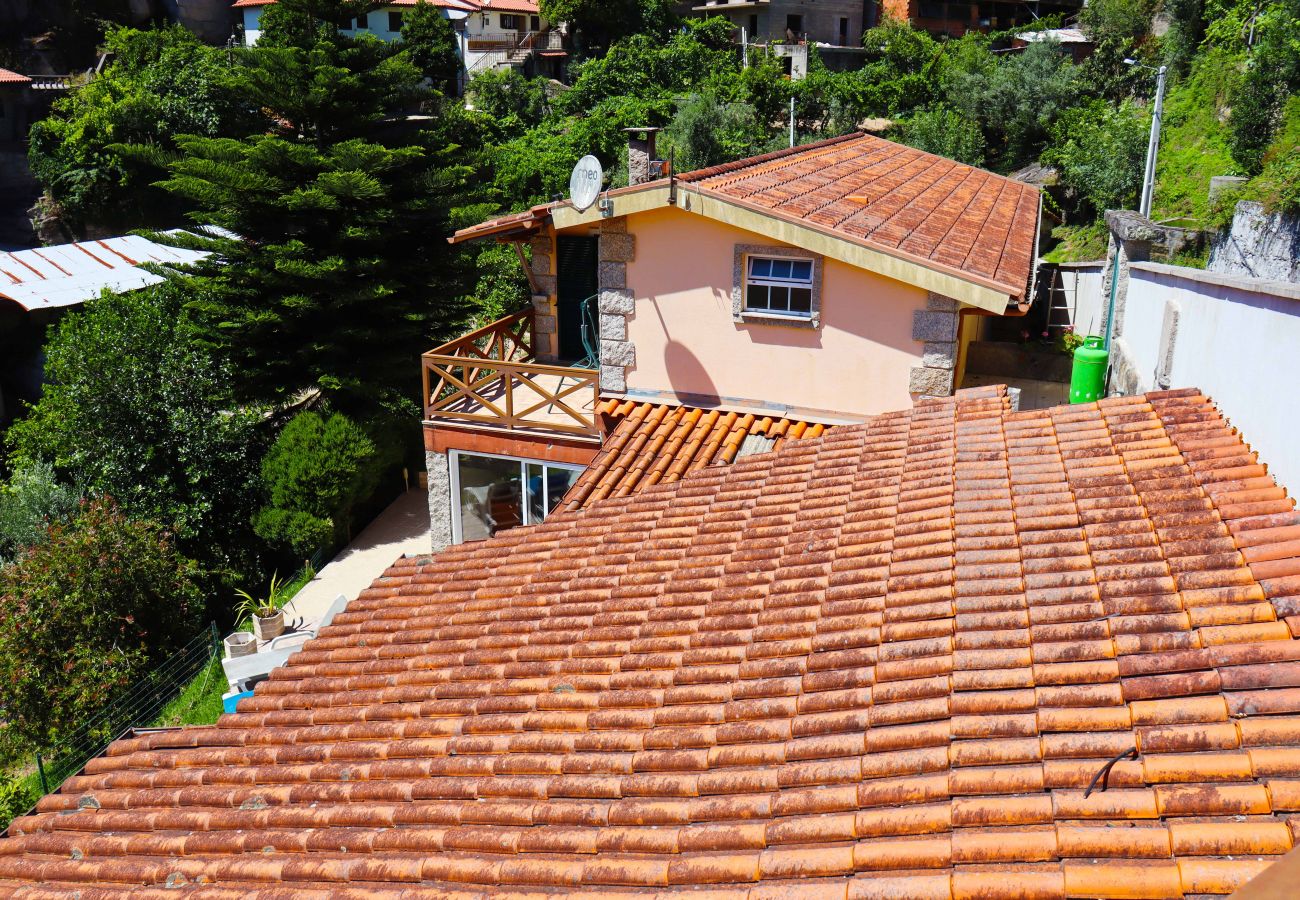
column 267, row 627
column 241, row 643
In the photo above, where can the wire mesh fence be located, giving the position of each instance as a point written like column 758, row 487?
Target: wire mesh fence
column 139, row 706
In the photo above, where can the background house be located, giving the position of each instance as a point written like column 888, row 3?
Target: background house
column 955, row 19
column 812, row 286
column 489, row 33
column 836, row 22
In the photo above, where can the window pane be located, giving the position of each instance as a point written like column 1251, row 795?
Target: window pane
column 760, row 268
column 756, row 297
column 490, row 496
column 780, row 268
column 535, row 491
column 801, row 300
column 780, row 301
column 802, row 270
column 558, row 482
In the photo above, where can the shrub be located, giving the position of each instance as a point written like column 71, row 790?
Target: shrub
column 945, row 132
column 85, row 614
column 315, row 474
column 706, row 132
column 17, row 797
column 1018, row 99
column 1101, row 152
column 31, row 502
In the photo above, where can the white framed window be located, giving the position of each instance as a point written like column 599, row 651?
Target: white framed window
column 492, row 493
column 780, row 285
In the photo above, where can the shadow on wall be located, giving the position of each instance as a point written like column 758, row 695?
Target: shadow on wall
column 686, row 374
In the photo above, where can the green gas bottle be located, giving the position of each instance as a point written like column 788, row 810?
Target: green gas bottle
column 1088, row 376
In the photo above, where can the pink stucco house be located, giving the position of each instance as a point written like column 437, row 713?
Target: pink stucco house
column 817, row 285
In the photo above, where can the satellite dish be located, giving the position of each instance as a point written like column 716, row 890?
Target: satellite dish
column 585, row 182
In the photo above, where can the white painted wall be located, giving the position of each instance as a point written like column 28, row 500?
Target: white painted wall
column 376, row 23
column 1238, row 341
column 1081, row 284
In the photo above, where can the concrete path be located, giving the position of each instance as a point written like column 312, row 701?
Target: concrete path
column 401, row 529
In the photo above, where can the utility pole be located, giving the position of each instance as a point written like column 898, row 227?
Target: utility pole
column 744, row 46
column 1153, row 144
column 791, row 121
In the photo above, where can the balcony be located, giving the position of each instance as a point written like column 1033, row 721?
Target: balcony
column 489, row 379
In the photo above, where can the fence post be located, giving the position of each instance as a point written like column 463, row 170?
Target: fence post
column 212, row 632
column 40, row 769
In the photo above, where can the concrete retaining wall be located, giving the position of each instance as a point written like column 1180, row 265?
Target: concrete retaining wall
column 1236, row 339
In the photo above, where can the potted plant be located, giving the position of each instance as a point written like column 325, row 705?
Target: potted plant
column 268, row 618
column 240, row 643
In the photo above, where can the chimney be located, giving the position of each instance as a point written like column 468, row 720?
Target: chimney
column 641, row 155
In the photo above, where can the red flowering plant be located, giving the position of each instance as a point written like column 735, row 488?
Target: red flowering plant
column 82, row 615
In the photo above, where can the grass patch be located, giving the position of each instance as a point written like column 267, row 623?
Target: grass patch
column 1079, row 243
column 199, row 703
column 1194, row 138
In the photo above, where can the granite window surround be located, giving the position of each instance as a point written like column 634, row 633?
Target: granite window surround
column 762, row 317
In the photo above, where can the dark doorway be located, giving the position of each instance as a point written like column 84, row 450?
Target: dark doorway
column 576, row 264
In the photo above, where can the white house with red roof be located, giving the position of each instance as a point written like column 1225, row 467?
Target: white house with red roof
column 489, row 33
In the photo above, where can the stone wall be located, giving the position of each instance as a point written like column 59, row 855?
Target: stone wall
column 617, row 353
column 936, row 328
column 545, row 341
column 440, row 499
column 1258, row 245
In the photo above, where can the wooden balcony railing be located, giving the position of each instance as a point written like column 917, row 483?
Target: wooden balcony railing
column 489, row 377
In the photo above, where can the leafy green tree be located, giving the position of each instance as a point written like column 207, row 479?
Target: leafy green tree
column 1100, row 150
column 509, row 104
column 1016, row 99
column 134, row 408
column 30, row 503
column 430, row 44
column 599, row 23
column 329, row 267
column 945, row 132
column 159, row 84
column 1186, row 31
column 705, row 132
column 104, row 599
column 904, row 64
column 1272, row 75
column 314, row 475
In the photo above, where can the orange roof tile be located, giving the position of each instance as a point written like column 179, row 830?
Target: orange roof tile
column 651, row 443
column 886, row 662
column 895, row 198
column 945, row 215
column 8, row 77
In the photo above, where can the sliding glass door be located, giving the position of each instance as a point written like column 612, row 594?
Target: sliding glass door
column 496, row 493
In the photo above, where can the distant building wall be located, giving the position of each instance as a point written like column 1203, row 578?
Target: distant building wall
column 824, row 21
column 688, row 341
column 1236, row 339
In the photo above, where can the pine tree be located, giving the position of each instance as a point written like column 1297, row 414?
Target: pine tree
column 330, row 267
column 430, row 42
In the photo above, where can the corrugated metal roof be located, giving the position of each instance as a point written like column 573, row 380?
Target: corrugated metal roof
column 69, row 274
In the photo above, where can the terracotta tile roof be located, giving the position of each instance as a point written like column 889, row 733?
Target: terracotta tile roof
column 894, row 198
column 886, row 662
column 512, row 225
column 652, row 443
column 7, row 77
